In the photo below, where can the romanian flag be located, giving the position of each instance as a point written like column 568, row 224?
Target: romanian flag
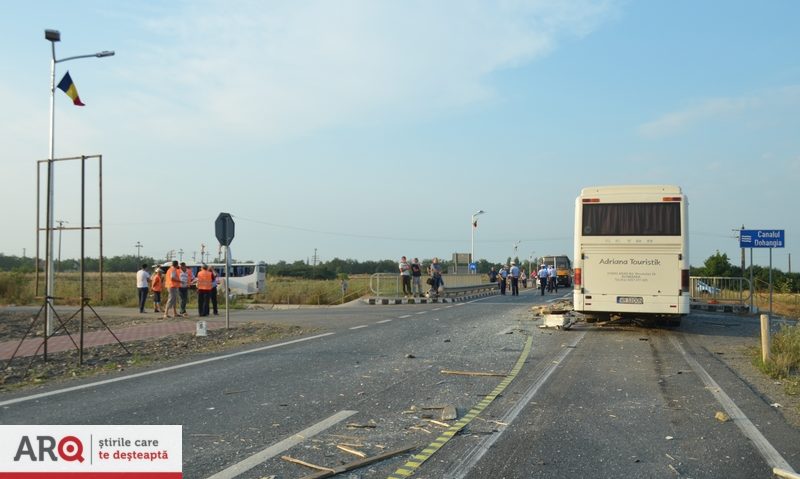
column 69, row 88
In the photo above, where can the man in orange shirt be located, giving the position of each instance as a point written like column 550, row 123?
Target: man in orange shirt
column 173, row 283
column 204, row 286
column 156, row 286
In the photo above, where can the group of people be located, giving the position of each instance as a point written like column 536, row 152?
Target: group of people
column 547, row 278
column 177, row 280
column 411, row 276
column 513, row 275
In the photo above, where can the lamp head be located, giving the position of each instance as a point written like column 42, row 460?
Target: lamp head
column 104, row 53
column 52, row 35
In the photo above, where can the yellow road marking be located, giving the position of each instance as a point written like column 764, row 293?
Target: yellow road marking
column 411, row 466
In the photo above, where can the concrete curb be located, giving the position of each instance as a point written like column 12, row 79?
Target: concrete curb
column 721, row 308
column 424, row 300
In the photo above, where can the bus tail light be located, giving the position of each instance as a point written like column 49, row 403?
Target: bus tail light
column 684, row 280
column 578, row 280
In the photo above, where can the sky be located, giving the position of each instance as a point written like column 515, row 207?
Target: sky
column 374, row 129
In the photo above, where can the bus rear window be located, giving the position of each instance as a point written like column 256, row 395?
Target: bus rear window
column 632, row 219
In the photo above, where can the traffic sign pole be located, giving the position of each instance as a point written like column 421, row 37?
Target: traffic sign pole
column 224, row 229
column 227, row 286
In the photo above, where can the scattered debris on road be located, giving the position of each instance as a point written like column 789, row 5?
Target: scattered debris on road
column 472, row 373
column 722, row 417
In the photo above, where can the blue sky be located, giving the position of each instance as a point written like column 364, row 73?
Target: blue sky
column 370, row 130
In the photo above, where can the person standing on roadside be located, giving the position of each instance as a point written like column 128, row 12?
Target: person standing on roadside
column 492, row 275
column 416, row 277
column 514, row 273
column 204, row 286
column 142, row 286
column 173, row 284
column 183, row 290
column 543, row 278
column 405, row 275
column 503, row 276
column 157, row 286
column 524, row 278
column 435, row 271
column 551, row 278
column 214, row 284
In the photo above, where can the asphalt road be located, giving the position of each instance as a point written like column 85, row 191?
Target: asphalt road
column 589, row 402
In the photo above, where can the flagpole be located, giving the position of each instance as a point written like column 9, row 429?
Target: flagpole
column 54, row 36
column 50, row 280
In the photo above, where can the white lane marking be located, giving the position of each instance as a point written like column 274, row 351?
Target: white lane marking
column 448, row 307
column 405, row 316
column 421, row 312
column 275, row 449
column 436, row 309
column 359, row 327
column 156, row 371
column 475, row 454
column 769, row 453
column 385, row 321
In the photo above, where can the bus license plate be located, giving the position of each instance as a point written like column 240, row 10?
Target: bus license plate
column 630, row 300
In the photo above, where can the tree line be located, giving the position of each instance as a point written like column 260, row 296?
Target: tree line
column 717, row 264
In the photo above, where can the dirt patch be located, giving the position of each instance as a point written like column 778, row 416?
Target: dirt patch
column 26, row 373
column 16, row 321
column 781, row 394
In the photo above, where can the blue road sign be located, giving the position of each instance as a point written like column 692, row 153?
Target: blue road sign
column 473, row 267
column 761, row 239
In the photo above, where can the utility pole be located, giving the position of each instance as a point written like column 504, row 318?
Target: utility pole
column 740, row 239
column 138, row 246
column 180, row 254
column 60, row 227
column 315, row 258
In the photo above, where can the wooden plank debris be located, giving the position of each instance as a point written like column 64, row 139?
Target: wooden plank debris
column 438, row 423
column 351, row 451
column 472, row 373
column 352, row 425
column 307, row 464
column 361, row 463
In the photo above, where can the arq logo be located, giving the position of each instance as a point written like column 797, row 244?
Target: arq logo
column 69, row 449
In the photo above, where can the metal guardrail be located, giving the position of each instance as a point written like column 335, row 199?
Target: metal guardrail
column 391, row 285
column 720, row 290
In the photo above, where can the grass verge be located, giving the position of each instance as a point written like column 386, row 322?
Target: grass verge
column 784, row 362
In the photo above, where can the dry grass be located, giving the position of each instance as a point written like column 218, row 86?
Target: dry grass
column 784, row 363
column 783, row 304
column 119, row 289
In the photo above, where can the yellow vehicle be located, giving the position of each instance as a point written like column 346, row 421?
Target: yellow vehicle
column 563, row 267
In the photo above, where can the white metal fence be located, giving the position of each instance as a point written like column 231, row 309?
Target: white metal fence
column 720, row 290
column 391, row 285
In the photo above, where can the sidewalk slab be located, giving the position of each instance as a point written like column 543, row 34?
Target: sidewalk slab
column 62, row 342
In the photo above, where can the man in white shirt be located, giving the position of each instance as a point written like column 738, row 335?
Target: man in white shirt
column 142, row 284
column 552, row 284
column 405, row 274
column 514, row 273
column 543, row 278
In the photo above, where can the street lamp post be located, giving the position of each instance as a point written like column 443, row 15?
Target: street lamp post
column 54, row 36
column 516, row 246
column 139, row 247
column 473, row 226
column 60, row 229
